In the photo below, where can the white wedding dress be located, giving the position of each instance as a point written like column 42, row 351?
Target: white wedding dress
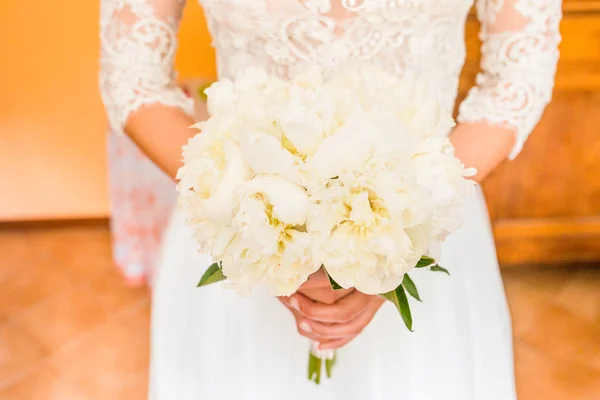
column 212, row 344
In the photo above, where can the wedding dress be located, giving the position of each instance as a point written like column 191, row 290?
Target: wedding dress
column 210, row 343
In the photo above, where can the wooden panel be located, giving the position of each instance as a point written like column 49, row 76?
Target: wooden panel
column 552, row 185
column 547, row 241
column 545, row 205
column 556, row 175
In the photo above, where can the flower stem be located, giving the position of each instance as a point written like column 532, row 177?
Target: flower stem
column 314, row 368
column 329, row 363
column 315, row 362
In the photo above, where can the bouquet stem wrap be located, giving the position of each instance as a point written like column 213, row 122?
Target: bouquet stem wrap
column 315, row 362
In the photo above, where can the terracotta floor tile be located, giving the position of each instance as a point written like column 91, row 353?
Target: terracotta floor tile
column 137, row 389
column 31, row 283
column 138, row 320
column 564, row 337
column 114, row 292
column 524, row 303
column 581, row 295
column 82, row 252
column 108, row 359
column 60, row 319
column 17, row 351
column 543, row 278
column 46, row 384
column 13, row 248
column 40, row 263
column 538, row 379
column 62, row 292
column 546, row 282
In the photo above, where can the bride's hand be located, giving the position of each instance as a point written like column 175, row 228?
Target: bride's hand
column 332, row 318
column 317, row 288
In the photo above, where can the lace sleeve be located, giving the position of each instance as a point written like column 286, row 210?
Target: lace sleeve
column 138, row 44
column 519, row 56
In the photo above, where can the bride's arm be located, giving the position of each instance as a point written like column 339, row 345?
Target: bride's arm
column 519, row 56
column 137, row 78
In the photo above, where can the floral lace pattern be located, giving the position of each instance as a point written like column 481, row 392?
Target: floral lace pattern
column 138, row 44
column 142, row 199
column 518, row 66
column 519, row 54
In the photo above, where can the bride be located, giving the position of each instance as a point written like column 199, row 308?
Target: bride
column 211, row 344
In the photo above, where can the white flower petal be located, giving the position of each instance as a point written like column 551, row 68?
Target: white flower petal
column 266, row 155
column 289, row 200
column 220, row 96
column 361, row 212
column 345, row 150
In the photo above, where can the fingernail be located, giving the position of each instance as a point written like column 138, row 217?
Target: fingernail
column 305, row 326
column 295, row 304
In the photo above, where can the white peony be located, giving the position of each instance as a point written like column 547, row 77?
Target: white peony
column 348, row 169
column 301, row 119
column 220, row 96
column 345, row 150
column 266, row 154
column 443, row 177
column 270, row 244
column 360, row 240
column 209, row 182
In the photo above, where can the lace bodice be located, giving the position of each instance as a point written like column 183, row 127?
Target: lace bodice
column 519, row 52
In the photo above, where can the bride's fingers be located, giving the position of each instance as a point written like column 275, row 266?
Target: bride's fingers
column 302, row 325
column 325, row 295
column 305, row 329
column 344, row 310
column 347, row 329
column 336, row 343
column 293, row 302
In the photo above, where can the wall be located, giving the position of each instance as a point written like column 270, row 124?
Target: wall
column 52, row 126
column 545, row 206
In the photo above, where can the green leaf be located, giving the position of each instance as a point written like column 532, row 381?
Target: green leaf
column 202, row 88
column 410, row 287
column 437, row 268
column 334, row 285
column 425, row 261
column 213, row 274
column 398, row 297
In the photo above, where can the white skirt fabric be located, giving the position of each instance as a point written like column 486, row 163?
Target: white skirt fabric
column 209, row 343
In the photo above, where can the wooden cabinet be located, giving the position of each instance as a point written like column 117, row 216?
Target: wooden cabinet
column 545, row 205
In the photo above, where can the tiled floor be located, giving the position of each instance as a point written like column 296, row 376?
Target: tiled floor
column 71, row 330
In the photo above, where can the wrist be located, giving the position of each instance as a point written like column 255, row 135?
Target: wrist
column 482, row 146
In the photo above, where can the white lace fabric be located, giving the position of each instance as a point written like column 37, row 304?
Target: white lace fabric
column 519, row 56
column 138, row 45
column 519, row 52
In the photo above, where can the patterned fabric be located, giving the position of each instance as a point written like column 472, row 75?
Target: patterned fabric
column 519, row 56
column 141, row 199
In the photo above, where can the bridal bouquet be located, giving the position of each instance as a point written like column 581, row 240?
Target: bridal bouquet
column 350, row 171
